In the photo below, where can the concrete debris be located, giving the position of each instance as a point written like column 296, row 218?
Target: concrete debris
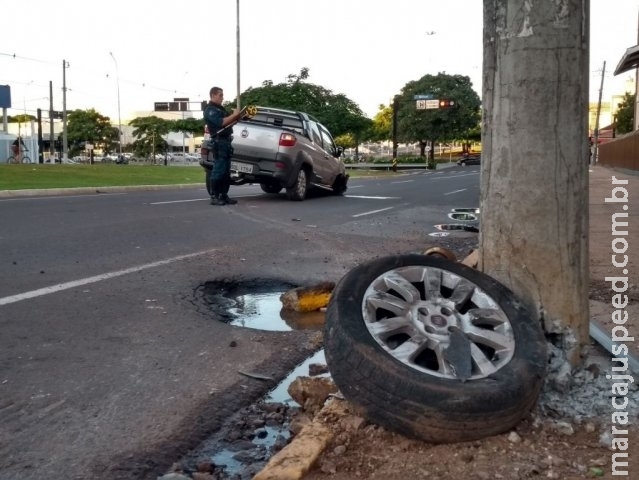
column 311, row 392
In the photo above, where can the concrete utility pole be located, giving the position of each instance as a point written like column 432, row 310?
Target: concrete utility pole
column 534, row 180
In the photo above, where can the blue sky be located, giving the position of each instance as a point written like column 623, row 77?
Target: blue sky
column 365, row 50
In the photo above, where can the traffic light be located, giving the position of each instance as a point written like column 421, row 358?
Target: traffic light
column 447, row 103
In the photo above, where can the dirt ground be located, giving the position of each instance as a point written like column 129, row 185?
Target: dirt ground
column 538, row 448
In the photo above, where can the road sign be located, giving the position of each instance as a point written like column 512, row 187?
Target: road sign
column 427, row 104
column 423, row 96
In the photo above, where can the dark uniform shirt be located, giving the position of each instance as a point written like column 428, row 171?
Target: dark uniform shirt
column 214, row 116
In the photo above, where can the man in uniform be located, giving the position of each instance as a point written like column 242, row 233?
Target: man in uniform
column 219, row 123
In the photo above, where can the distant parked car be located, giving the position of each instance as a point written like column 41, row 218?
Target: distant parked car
column 469, row 160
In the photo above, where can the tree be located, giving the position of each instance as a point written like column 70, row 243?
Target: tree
column 534, row 175
column 21, row 118
column 336, row 111
column 625, row 116
column 382, row 125
column 148, row 133
column 194, row 126
column 444, row 124
column 88, row 126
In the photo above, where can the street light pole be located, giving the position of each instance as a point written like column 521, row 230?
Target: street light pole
column 237, row 40
column 117, row 73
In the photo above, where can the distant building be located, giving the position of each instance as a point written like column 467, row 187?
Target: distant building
column 607, row 112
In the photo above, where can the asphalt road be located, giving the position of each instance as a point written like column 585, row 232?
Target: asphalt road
column 110, row 366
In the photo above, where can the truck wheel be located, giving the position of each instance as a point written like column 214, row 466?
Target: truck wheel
column 299, row 188
column 433, row 349
column 271, row 187
column 339, row 185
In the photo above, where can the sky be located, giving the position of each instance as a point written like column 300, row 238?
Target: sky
column 152, row 51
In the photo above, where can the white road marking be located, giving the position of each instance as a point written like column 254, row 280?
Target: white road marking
column 199, row 199
column 373, row 197
column 372, row 212
column 180, row 201
column 98, row 278
column 404, row 181
column 460, row 175
column 455, row 191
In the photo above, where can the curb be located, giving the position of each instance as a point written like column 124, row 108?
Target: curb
column 88, row 190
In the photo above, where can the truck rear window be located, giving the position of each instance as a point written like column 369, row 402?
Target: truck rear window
column 291, row 123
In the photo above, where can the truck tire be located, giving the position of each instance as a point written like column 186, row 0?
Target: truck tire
column 433, row 349
column 271, row 187
column 300, row 187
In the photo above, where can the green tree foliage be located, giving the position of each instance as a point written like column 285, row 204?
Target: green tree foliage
column 336, row 111
column 442, row 124
column 626, row 114
column 194, row 126
column 22, row 118
column 148, row 133
column 347, row 140
column 382, row 126
column 88, row 126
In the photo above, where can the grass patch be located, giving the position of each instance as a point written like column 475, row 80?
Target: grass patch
column 39, row 176
column 36, row 176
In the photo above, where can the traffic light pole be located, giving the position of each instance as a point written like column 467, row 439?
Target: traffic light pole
column 395, row 108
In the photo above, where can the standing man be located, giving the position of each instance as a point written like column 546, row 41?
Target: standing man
column 219, row 122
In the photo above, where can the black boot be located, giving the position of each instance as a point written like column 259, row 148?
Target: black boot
column 225, row 185
column 216, row 200
column 216, row 197
column 227, row 200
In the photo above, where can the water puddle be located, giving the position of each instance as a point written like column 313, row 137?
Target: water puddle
column 254, row 434
column 280, row 394
column 255, row 304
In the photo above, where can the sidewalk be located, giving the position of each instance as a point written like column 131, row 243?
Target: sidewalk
column 602, row 242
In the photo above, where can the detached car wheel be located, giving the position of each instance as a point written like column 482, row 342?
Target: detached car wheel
column 299, row 188
column 433, row 349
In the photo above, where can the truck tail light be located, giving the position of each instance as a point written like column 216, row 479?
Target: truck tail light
column 287, row 140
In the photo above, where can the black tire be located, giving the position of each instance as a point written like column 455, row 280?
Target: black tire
column 271, row 187
column 300, row 187
column 339, row 185
column 373, row 325
column 463, row 164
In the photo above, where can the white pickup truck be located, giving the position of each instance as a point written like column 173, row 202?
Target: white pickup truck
column 284, row 149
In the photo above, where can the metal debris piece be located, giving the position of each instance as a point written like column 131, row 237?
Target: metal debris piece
column 257, row 376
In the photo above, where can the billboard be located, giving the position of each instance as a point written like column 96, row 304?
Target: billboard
column 5, row 96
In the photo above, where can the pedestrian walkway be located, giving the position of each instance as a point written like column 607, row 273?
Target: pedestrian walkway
column 614, row 237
